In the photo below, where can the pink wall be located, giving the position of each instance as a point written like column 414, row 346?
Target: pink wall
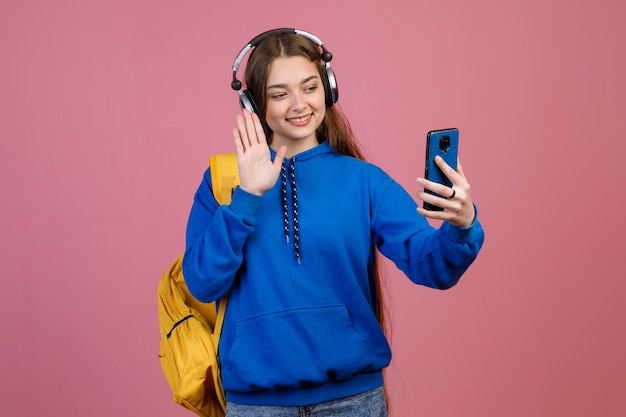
column 109, row 111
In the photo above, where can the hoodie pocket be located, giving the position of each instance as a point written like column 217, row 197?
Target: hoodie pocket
column 294, row 348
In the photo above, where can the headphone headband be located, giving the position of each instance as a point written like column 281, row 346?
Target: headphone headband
column 326, row 56
column 332, row 92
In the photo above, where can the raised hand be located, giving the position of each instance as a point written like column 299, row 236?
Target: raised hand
column 257, row 172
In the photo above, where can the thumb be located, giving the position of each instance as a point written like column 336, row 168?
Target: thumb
column 280, row 155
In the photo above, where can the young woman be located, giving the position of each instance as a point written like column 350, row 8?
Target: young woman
column 296, row 249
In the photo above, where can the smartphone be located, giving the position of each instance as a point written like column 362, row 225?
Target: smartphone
column 445, row 143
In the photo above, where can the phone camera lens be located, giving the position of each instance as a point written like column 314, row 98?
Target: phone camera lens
column 444, row 143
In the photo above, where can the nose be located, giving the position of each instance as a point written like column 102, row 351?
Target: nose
column 298, row 103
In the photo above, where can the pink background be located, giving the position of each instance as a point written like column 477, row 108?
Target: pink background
column 109, row 111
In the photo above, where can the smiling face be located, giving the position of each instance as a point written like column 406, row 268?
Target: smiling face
column 295, row 105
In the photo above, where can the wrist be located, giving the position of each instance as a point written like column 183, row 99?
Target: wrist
column 251, row 190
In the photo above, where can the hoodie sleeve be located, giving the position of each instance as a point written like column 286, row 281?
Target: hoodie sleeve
column 215, row 238
column 433, row 257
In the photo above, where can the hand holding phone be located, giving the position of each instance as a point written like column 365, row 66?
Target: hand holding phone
column 443, row 143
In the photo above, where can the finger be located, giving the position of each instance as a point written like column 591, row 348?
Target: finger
column 436, row 215
column 250, row 129
column 258, row 127
column 459, row 169
column 238, row 144
column 443, row 165
column 433, row 199
column 242, row 132
column 433, row 214
column 442, row 190
column 456, row 178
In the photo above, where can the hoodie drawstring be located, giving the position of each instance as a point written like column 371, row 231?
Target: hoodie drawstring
column 294, row 193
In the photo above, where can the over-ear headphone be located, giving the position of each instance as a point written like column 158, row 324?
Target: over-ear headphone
column 246, row 99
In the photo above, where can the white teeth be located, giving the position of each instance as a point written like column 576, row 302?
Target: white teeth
column 299, row 119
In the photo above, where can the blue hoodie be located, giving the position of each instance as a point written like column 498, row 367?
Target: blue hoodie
column 300, row 326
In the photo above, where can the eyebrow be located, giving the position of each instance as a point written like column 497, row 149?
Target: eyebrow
column 306, row 80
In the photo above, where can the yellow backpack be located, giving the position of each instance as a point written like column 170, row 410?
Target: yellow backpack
column 190, row 329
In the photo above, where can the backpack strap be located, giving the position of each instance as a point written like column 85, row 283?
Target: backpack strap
column 219, row 321
column 224, row 176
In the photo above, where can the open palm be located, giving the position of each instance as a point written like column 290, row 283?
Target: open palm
column 257, row 172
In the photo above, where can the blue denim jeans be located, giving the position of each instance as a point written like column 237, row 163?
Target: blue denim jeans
column 368, row 404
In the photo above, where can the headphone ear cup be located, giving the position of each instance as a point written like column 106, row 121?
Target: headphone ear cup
column 246, row 100
column 330, row 86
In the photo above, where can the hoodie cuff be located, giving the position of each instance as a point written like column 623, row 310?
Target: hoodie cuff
column 244, row 203
column 462, row 234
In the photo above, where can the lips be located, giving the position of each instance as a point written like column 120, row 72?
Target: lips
column 300, row 121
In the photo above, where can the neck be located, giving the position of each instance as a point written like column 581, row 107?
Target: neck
column 295, row 147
